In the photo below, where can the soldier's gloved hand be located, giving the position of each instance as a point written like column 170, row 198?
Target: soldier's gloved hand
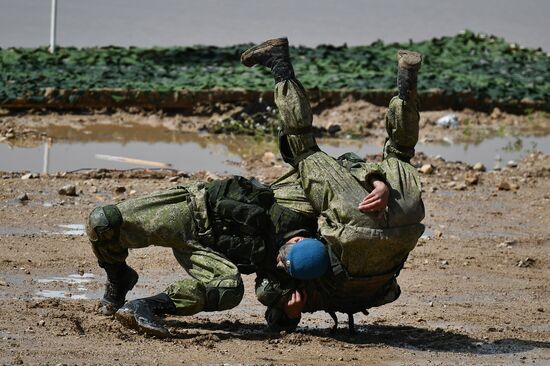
column 295, row 304
column 377, row 200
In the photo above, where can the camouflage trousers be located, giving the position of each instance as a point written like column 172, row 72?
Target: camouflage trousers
column 170, row 219
column 367, row 244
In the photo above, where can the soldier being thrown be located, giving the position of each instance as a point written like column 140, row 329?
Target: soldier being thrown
column 368, row 217
column 367, row 249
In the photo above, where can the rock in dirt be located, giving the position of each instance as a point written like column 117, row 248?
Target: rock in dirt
column 426, row 169
column 269, row 158
column 496, row 114
column 512, row 164
column 211, row 176
column 471, row 179
column 507, row 244
column 67, row 190
column 479, row 167
column 29, row 176
column 334, row 129
column 120, row 189
column 527, row 262
column 504, row 186
column 460, row 186
column 173, row 179
column 23, row 197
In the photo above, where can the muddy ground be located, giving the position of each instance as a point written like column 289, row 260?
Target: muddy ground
column 475, row 291
column 351, row 119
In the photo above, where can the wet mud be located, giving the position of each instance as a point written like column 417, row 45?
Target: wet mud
column 474, row 291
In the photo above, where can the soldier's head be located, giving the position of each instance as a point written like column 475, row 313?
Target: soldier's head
column 303, row 258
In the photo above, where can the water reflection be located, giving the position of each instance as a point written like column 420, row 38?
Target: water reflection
column 488, row 151
column 77, row 148
column 73, row 286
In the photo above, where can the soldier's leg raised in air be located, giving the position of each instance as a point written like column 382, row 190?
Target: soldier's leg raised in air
column 402, row 116
column 329, row 187
column 296, row 138
column 405, row 205
column 162, row 218
column 215, row 285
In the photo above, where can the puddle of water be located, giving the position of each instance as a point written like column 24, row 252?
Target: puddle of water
column 488, row 151
column 76, row 148
column 66, row 229
column 73, row 279
column 189, row 157
column 56, row 294
column 72, row 229
column 78, row 293
column 7, row 231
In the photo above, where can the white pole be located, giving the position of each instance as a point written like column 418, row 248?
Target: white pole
column 53, row 26
column 47, row 146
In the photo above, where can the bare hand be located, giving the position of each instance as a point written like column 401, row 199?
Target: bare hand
column 377, row 200
column 294, row 306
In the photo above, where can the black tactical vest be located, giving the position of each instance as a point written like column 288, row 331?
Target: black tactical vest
column 249, row 226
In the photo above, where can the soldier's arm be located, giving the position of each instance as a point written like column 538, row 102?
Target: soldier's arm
column 278, row 321
column 274, row 294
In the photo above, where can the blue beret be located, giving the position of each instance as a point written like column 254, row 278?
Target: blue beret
column 307, row 259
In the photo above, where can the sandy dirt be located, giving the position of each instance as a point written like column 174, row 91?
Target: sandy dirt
column 475, row 290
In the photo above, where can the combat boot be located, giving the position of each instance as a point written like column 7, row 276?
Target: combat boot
column 273, row 54
column 408, row 63
column 121, row 278
column 142, row 314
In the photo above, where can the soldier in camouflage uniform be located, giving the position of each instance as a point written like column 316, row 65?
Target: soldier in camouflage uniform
column 215, row 236
column 216, row 230
column 367, row 249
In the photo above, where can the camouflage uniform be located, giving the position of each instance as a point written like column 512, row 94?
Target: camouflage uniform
column 216, row 231
column 174, row 218
column 367, row 251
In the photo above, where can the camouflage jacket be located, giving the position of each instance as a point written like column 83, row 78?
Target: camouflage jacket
column 250, row 222
column 367, row 251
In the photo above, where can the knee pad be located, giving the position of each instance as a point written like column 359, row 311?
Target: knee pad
column 224, row 293
column 104, row 224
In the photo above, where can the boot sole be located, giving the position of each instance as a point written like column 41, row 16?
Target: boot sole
column 248, row 55
column 409, row 59
column 128, row 319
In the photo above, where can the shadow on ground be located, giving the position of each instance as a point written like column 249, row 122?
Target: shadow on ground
column 407, row 337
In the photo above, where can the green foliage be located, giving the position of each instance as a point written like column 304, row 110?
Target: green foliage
column 487, row 66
